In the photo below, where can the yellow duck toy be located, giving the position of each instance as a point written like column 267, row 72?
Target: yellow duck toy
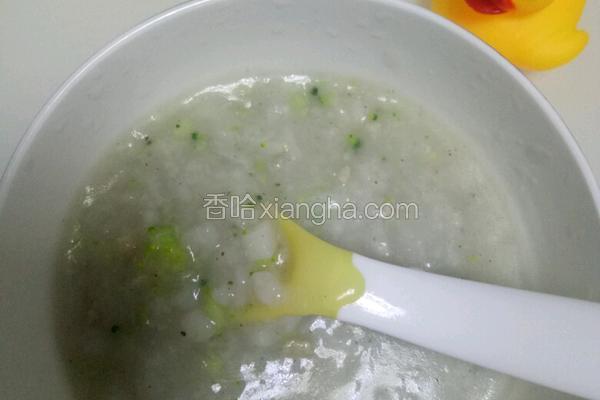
column 532, row 34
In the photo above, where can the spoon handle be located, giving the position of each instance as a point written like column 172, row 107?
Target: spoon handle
column 549, row 340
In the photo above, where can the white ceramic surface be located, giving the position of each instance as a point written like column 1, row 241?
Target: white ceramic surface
column 65, row 33
column 424, row 56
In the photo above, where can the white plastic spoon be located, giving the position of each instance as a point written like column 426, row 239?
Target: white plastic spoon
column 549, row 340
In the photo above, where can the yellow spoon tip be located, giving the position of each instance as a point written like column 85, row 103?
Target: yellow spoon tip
column 319, row 278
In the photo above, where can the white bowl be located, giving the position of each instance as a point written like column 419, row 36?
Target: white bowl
column 426, row 57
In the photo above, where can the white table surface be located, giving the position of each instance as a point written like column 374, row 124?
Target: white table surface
column 43, row 41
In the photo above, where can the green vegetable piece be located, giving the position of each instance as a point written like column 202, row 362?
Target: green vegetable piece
column 326, row 99
column 217, row 313
column 324, row 96
column 473, row 258
column 373, row 116
column 199, row 139
column 263, row 264
column 354, row 141
column 299, row 103
column 215, row 366
column 164, row 251
column 261, row 168
column 182, row 128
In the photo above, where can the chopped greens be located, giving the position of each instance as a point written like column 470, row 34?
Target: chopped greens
column 199, row 139
column 473, row 258
column 164, row 251
column 217, row 313
column 324, row 97
column 298, row 103
column 214, row 365
column 264, row 264
column 354, row 141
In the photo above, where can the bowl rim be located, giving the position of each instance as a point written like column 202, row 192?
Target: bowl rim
column 28, row 137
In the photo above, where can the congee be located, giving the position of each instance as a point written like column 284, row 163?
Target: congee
column 167, row 240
